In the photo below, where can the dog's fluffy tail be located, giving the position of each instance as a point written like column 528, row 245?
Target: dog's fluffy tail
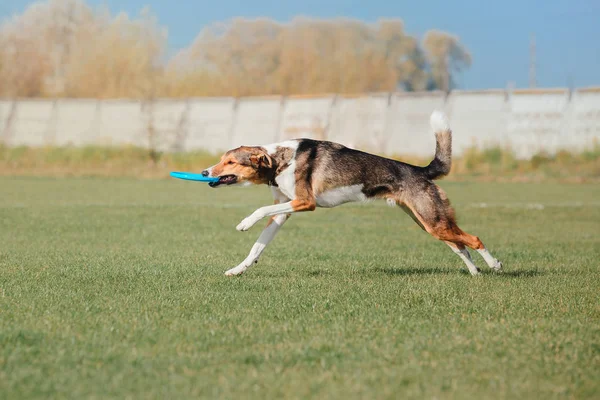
column 440, row 166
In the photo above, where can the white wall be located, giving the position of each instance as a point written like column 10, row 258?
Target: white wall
column 256, row 121
column 409, row 131
column 538, row 121
column 209, row 125
column 479, row 118
column 394, row 124
column 306, row 117
column 361, row 122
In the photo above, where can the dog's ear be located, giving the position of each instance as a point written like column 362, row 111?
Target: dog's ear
column 261, row 160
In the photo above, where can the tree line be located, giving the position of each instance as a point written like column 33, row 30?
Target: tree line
column 66, row 48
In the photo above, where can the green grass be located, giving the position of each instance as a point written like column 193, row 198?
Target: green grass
column 113, row 288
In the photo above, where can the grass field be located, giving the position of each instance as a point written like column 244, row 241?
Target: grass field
column 114, row 288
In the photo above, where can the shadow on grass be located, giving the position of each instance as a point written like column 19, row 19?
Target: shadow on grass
column 440, row 271
column 318, row 272
column 389, row 271
column 414, row 271
column 520, row 273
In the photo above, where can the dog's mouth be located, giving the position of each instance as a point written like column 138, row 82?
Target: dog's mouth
column 224, row 180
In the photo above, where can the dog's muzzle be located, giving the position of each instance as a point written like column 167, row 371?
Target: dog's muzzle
column 223, row 180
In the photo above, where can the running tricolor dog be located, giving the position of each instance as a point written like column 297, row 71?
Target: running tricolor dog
column 304, row 174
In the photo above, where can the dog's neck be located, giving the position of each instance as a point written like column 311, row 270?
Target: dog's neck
column 270, row 175
column 281, row 160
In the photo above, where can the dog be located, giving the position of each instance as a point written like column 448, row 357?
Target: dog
column 304, row 174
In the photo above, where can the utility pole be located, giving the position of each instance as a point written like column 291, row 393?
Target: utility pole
column 532, row 63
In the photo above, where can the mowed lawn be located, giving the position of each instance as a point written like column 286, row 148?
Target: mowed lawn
column 115, row 289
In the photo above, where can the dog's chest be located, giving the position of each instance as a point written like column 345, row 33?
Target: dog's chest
column 340, row 195
column 284, row 153
column 286, row 181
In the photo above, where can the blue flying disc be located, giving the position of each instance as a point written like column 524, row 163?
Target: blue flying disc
column 193, row 177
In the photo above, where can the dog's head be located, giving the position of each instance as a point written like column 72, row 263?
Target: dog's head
column 242, row 166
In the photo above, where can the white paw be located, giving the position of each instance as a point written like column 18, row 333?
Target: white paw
column 240, row 269
column 246, row 224
column 497, row 266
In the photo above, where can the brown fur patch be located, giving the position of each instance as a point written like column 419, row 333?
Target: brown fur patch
column 304, row 205
column 281, row 158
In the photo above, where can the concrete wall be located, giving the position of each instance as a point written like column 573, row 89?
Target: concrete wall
column 388, row 123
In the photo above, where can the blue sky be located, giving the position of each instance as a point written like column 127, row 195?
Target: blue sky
column 496, row 32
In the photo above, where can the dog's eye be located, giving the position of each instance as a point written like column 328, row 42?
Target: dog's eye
column 229, row 162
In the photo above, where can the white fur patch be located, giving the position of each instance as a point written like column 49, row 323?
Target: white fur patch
column 272, row 148
column 490, row 260
column 286, row 180
column 439, row 122
column 341, row 195
column 267, row 211
column 466, row 257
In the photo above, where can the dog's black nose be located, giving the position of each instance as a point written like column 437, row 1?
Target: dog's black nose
column 205, row 173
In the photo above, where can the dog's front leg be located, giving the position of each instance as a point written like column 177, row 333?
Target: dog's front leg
column 276, row 209
column 275, row 223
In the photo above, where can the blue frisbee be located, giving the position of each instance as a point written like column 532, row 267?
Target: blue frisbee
column 193, row 177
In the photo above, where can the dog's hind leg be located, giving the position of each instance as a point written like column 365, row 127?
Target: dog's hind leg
column 458, row 248
column 275, row 223
column 430, row 208
column 464, row 255
column 492, row 262
column 461, row 238
column 473, row 242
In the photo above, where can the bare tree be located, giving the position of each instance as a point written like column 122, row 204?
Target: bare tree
column 118, row 57
column 66, row 48
column 24, row 67
column 247, row 57
column 447, row 56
